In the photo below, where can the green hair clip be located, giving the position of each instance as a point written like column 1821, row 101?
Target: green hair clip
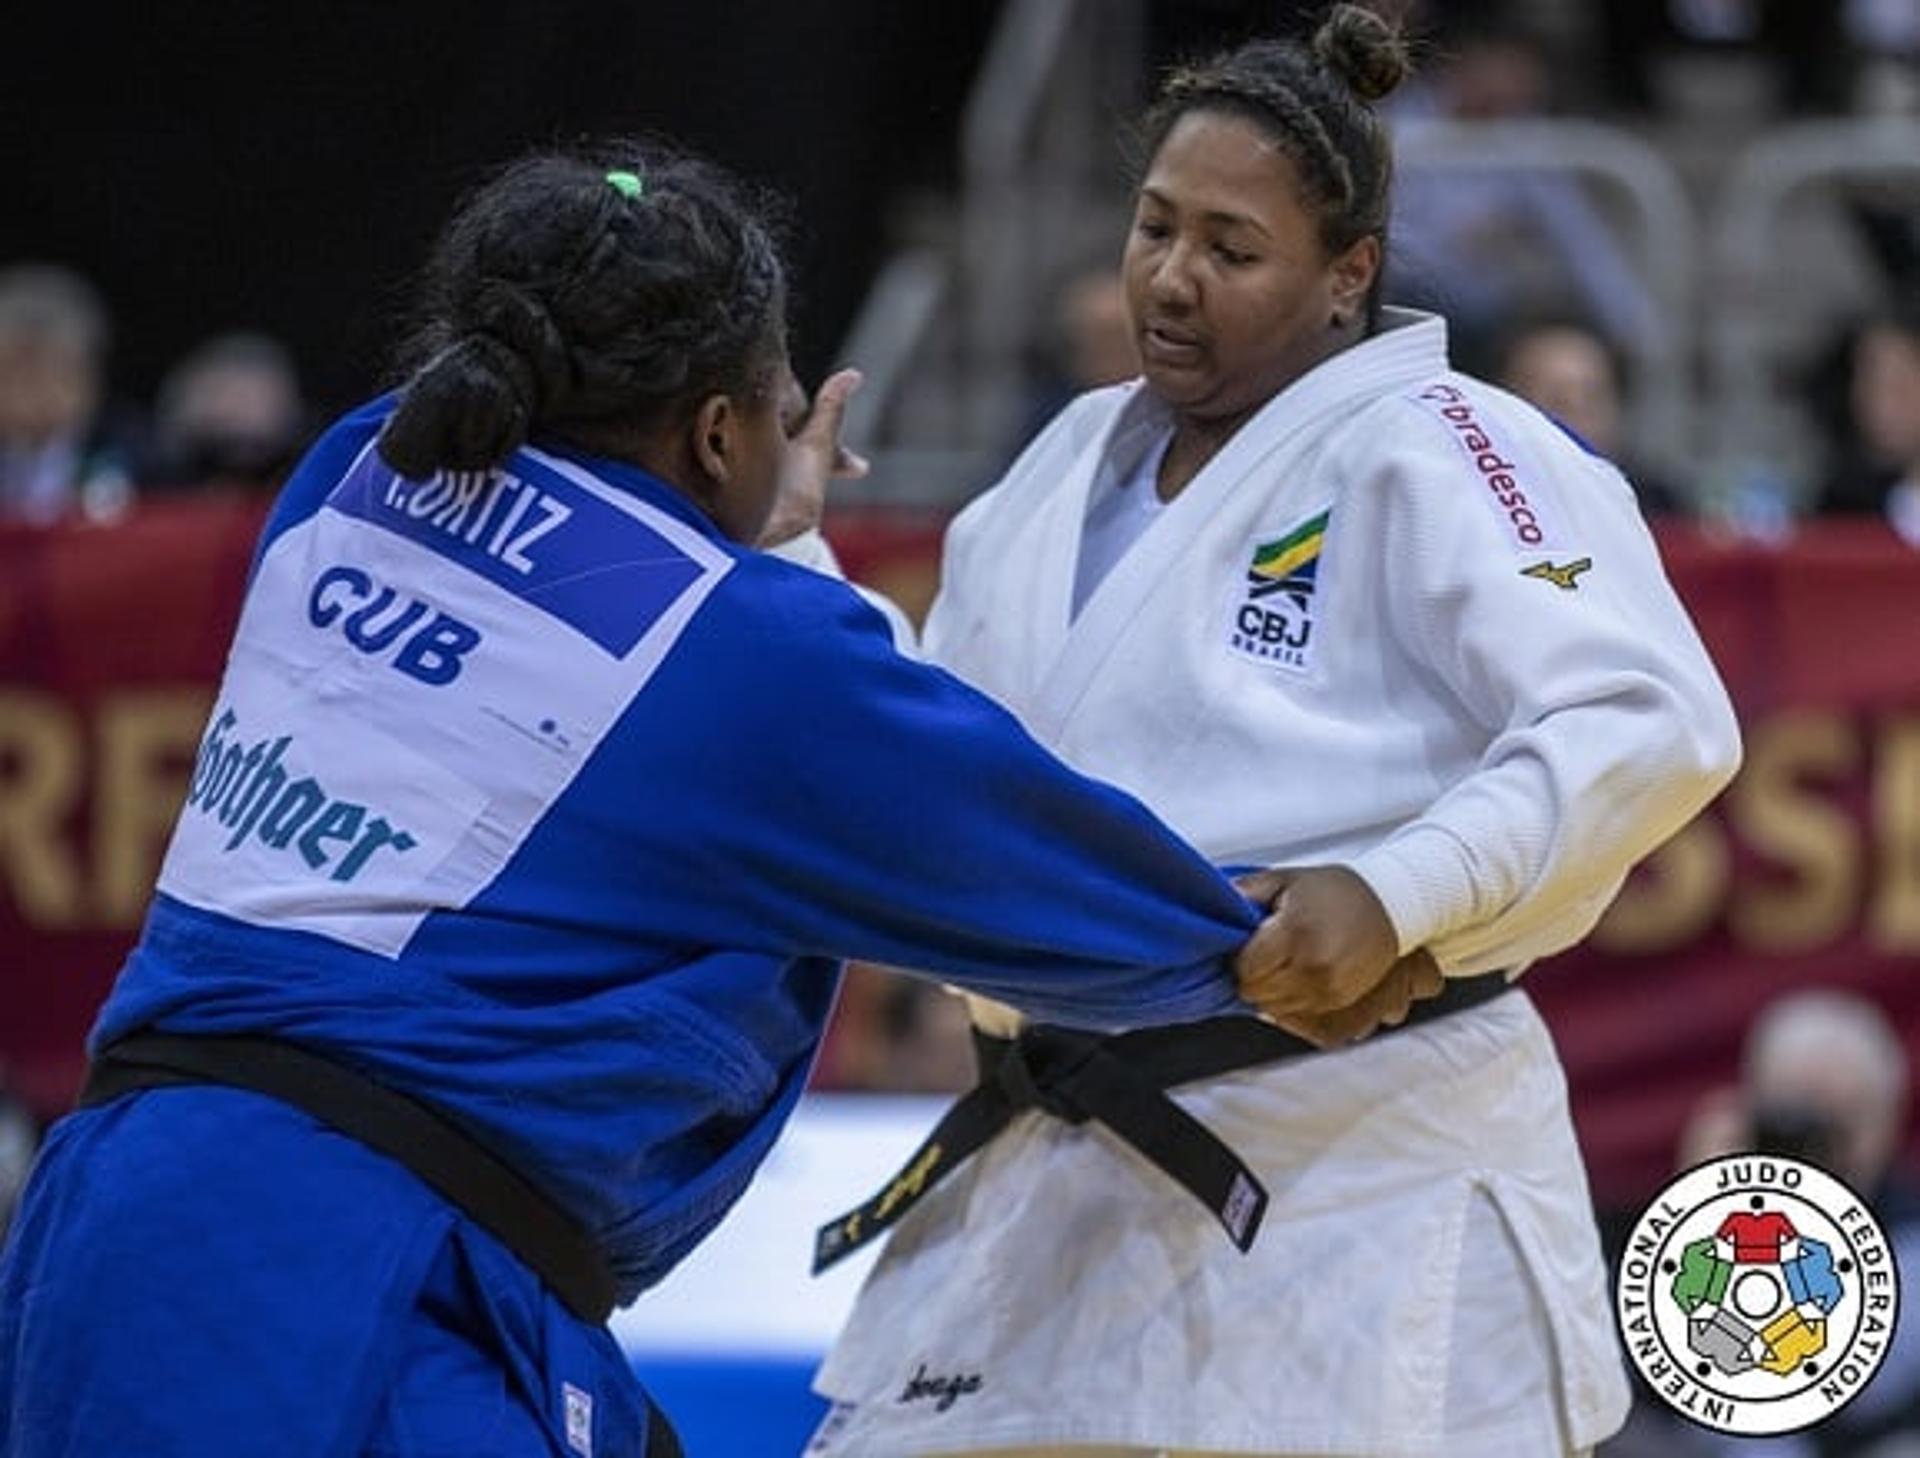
column 627, row 184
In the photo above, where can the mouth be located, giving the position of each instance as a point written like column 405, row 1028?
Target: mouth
column 1168, row 344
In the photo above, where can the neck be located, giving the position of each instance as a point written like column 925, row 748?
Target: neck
column 1199, row 435
column 1196, row 440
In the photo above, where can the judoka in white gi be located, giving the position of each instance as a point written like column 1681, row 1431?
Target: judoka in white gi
column 1326, row 604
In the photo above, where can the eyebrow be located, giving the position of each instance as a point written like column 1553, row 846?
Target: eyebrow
column 1217, row 215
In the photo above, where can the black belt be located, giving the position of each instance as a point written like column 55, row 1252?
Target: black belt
column 497, row 1197
column 1121, row 1082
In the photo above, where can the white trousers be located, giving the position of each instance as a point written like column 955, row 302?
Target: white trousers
column 1428, row 1284
column 1499, row 1364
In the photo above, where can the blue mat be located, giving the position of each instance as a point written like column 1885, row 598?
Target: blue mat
column 734, row 1406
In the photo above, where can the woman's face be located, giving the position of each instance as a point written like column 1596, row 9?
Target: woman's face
column 1886, row 394
column 768, row 418
column 743, row 448
column 1230, row 290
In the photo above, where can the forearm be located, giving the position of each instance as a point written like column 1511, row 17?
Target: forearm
column 1520, row 858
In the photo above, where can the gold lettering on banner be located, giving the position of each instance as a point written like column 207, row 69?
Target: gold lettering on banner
column 1676, row 899
column 1792, row 825
column 41, row 756
column 1893, row 920
column 146, row 744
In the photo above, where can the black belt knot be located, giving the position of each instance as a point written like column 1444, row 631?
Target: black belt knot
column 1119, row 1082
column 1036, row 1070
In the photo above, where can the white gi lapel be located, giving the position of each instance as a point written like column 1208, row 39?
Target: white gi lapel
column 1053, row 539
column 1413, row 348
column 1001, row 624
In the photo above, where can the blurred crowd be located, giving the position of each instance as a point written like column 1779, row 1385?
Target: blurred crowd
column 228, row 413
column 1865, row 391
column 1541, row 282
column 1541, row 294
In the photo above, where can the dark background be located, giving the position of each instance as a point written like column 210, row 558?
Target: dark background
column 217, row 164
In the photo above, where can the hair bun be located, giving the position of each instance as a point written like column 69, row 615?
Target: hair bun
column 518, row 320
column 1363, row 49
column 467, row 409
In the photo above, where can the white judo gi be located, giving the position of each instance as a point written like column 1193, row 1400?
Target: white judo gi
column 1403, row 622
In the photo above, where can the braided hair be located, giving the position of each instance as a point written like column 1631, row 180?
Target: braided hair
column 586, row 295
column 1316, row 104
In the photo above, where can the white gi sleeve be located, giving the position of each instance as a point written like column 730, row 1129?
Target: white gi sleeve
column 1608, row 726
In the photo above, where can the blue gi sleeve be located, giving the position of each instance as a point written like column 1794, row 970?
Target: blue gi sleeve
column 878, row 808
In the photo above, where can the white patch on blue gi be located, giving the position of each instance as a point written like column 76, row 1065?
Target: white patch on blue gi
column 421, row 669
column 579, row 1411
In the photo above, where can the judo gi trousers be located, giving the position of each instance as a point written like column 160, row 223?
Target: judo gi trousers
column 207, row 1270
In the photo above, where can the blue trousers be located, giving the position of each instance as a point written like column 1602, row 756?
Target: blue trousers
column 204, row 1270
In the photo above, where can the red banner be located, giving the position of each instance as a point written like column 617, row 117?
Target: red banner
column 111, row 640
column 1807, row 871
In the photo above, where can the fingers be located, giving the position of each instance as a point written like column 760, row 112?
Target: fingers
column 1266, row 954
column 1326, row 943
column 1263, row 888
column 1271, row 946
column 821, row 432
column 829, row 413
column 1427, row 978
column 1387, row 1004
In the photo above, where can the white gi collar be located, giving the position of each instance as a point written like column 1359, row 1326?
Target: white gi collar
column 1410, row 347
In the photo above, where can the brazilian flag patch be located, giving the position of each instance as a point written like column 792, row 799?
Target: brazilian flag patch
column 1273, row 620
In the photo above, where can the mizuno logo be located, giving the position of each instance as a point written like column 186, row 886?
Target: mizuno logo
column 1560, row 577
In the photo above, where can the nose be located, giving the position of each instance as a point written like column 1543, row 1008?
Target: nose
column 1172, row 280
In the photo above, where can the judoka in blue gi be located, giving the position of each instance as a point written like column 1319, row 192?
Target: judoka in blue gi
column 534, row 797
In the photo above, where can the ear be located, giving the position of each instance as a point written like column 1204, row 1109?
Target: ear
column 713, row 436
column 1352, row 275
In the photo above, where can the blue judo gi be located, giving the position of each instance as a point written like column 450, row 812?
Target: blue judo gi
column 528, row 794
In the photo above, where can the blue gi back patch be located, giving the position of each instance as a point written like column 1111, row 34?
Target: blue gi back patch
column 538, row 535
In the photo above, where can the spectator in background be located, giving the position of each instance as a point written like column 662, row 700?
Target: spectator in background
column 61, row 450
column 1857, row 55
column 899, row 1036
column 1823, row 1078
column 19, row 1138
column 1483, row 246
column 229, row 414
column 1887, row 35
column 1569, row 371
column 1878, row 455
column 1088, row 343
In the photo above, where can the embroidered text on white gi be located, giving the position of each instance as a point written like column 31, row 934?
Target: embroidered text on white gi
column 946, row 1390
column 1274, row 620
column 1498, row 474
